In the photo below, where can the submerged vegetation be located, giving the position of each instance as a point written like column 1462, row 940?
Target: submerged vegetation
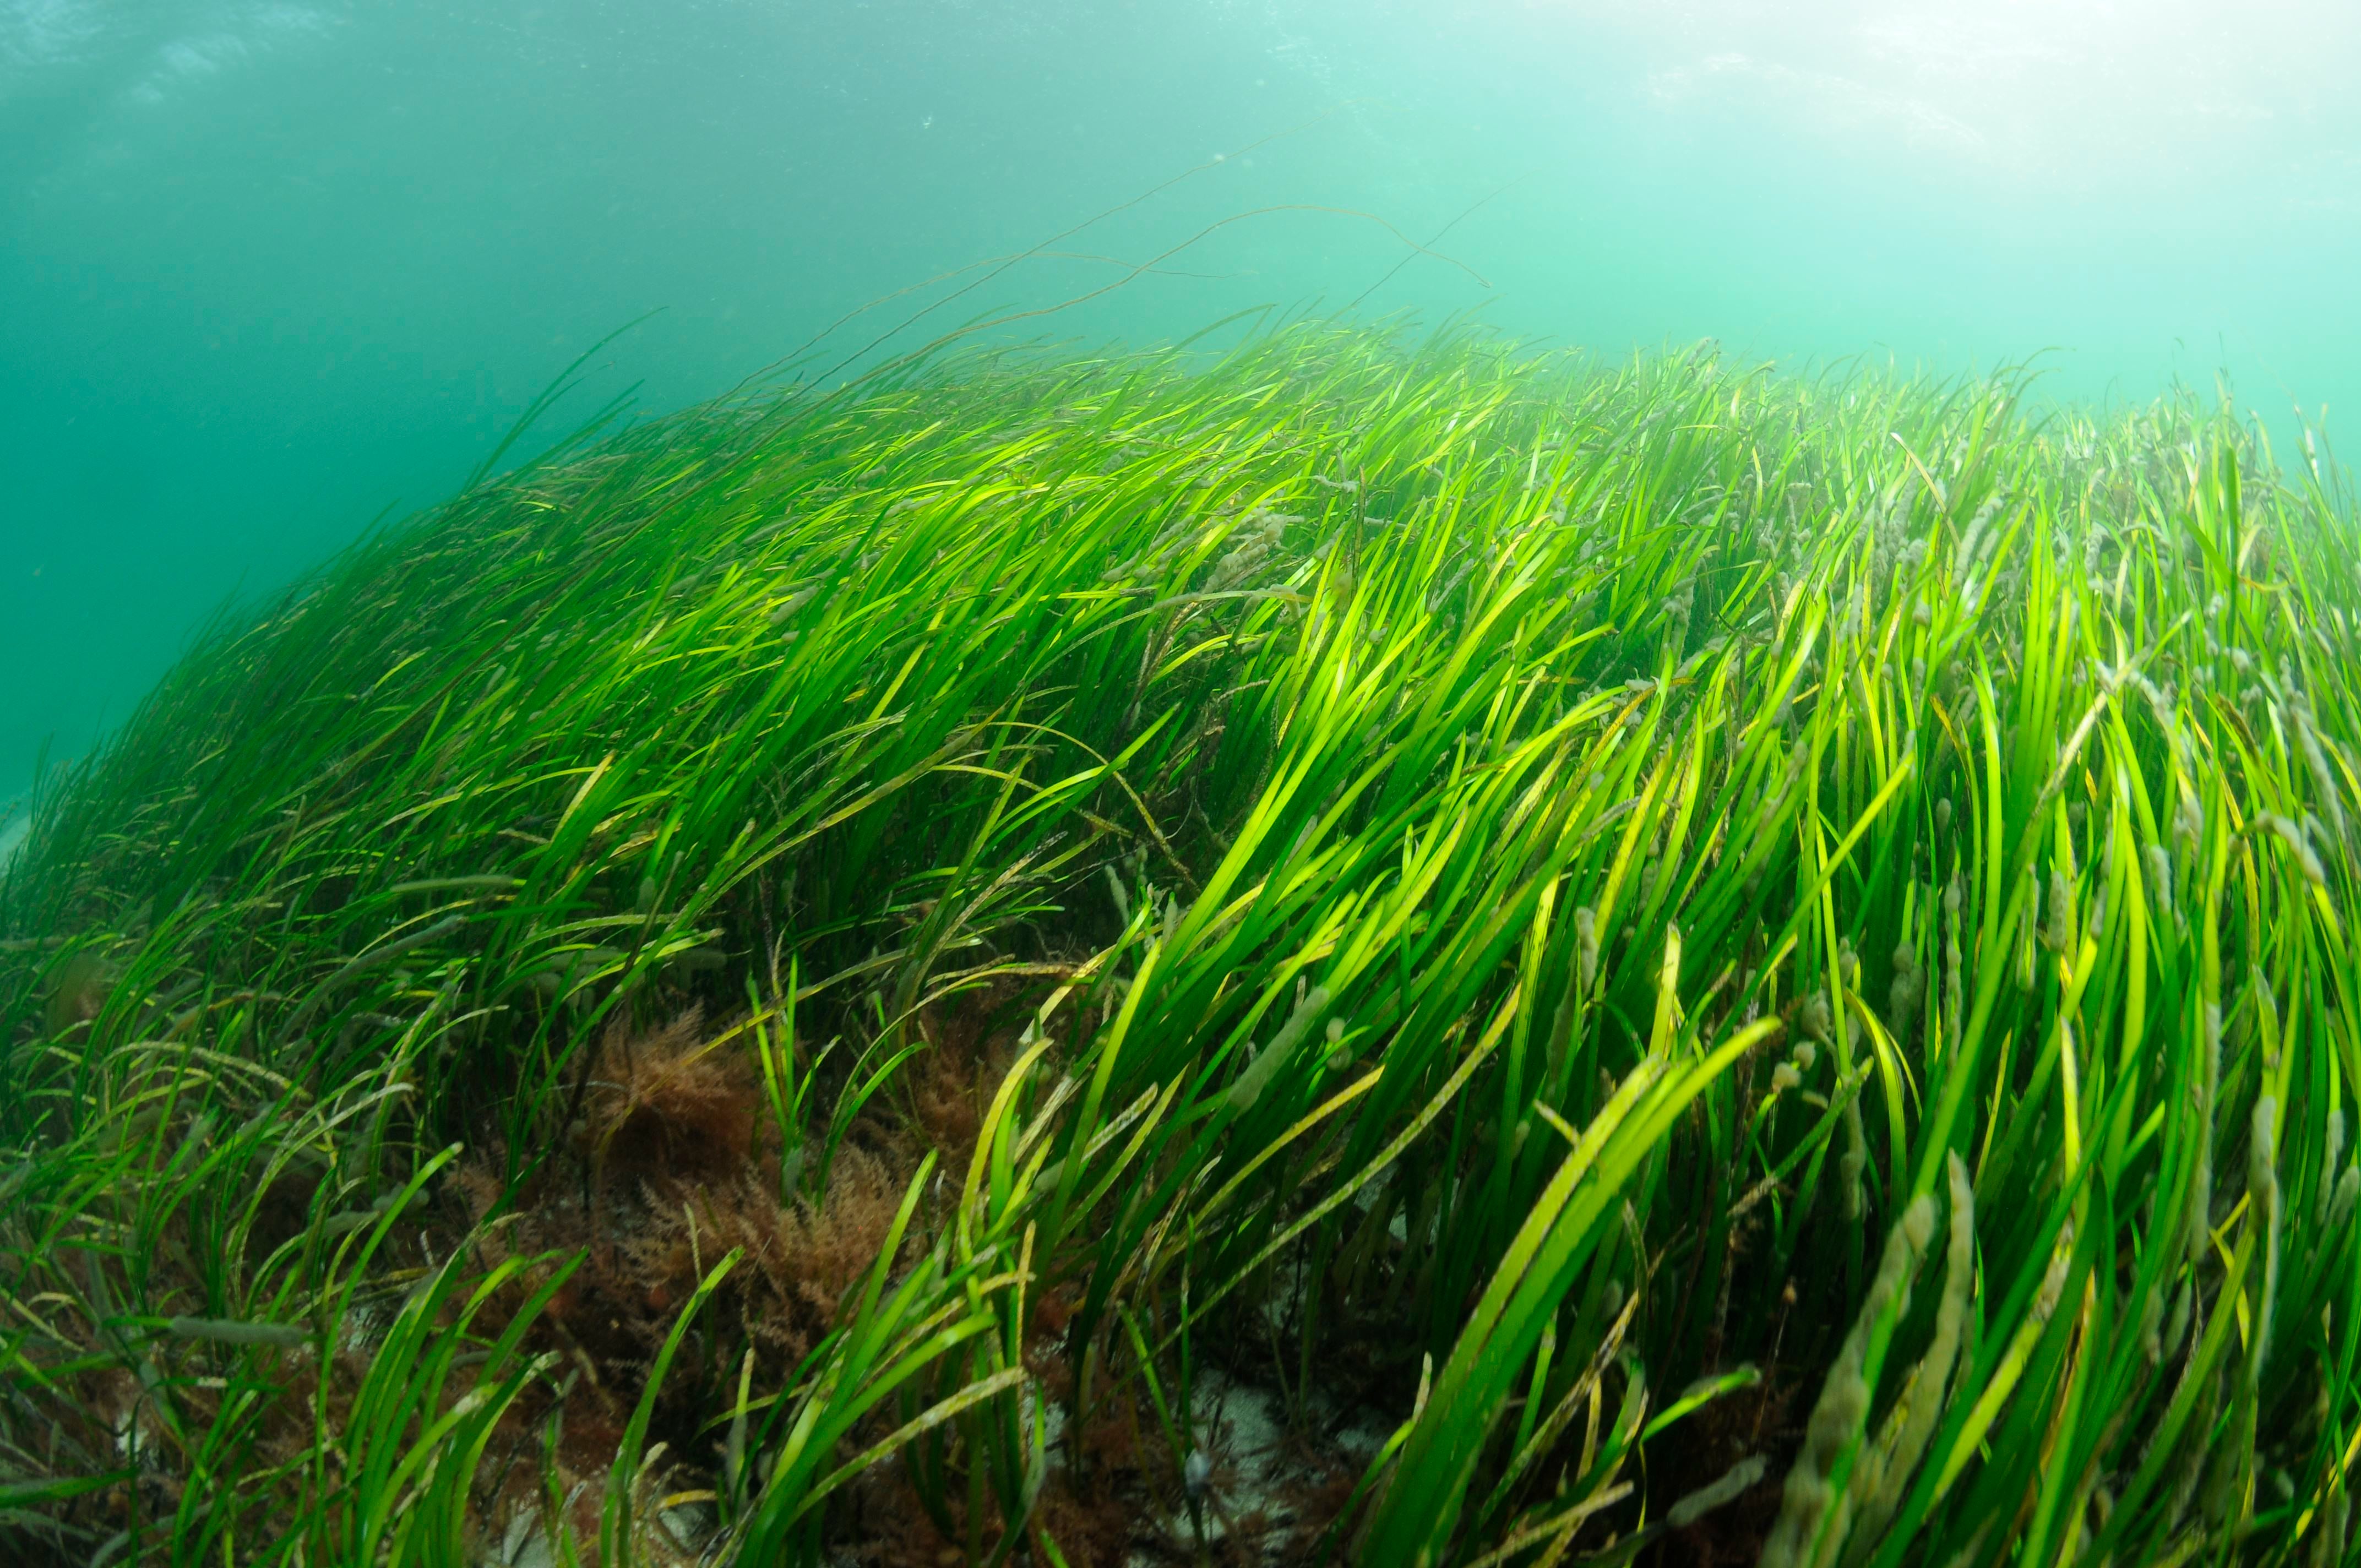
column 1659, row 962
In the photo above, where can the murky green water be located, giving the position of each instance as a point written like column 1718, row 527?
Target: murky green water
column 271, row 269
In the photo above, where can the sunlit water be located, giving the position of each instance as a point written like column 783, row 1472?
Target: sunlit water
column 271, row 269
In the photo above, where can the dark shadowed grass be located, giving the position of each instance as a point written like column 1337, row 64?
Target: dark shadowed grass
column 1737, row 966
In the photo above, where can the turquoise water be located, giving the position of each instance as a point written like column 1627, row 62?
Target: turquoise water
column 268, row 270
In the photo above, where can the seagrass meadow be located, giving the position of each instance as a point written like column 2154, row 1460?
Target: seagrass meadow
column 1666, row 963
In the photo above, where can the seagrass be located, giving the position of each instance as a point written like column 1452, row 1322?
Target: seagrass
column 807, row 975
